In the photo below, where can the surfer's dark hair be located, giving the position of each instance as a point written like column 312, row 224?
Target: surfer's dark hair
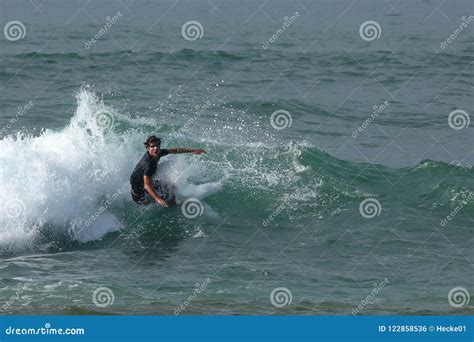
column 152, row 139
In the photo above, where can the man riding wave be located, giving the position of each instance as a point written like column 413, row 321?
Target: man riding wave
column 144, row 188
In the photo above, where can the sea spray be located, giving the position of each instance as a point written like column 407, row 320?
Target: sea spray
column 73, row 181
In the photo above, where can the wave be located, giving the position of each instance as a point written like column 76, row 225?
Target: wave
column 71, row 181
column 74, row 182
column 182, row 54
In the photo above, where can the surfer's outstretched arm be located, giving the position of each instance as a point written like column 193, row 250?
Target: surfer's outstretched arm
column 177, row 150
column 149, row 188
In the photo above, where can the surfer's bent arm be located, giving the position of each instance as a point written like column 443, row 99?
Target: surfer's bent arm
column 149, row 188
column 177, row 150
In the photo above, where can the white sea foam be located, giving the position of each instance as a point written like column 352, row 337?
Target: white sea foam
column 69, row 181
column 74, row 181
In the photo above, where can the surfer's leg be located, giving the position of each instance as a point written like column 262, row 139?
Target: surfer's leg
column 162, row 190
column 167, row 193
column 172, row 192
column 141, row 200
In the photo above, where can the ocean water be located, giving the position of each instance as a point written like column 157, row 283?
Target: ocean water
column 338, row 175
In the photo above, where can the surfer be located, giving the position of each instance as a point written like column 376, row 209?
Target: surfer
column 144, row 189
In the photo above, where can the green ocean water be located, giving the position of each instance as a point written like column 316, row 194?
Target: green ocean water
column 333, row 177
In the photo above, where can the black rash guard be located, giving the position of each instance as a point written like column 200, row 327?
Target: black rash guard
column 145, row 167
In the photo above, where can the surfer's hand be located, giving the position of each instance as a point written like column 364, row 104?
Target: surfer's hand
column 199, row 151
column 163, row 203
